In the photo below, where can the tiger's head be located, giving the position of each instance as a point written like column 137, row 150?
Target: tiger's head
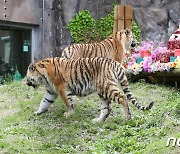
column 37, row 74
column 126, row 37
column 130, row 39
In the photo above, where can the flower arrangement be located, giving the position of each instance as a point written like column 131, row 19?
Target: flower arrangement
column 135, row 68
column 177, row 63
column 158, row 60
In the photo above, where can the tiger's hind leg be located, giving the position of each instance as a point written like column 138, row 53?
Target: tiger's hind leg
column 105, row 110
column 126, row 110
column 121, row 99
column 46, row 102
column 114, row 94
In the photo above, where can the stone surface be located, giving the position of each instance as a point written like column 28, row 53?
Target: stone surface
column 157, row 19
column 152, row 24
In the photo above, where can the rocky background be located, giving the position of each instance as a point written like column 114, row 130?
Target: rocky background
column 157, row 19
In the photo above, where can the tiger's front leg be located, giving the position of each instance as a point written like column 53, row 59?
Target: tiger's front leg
column 67, row 98
column 46, row 102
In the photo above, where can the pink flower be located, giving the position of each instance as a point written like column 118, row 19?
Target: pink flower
column 146, row 64
column 161, row 44
column 153, row 56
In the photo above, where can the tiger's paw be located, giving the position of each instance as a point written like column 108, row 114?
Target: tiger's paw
column 128, row 117
column 96, row 120
column 38, row 112
column 69, row 113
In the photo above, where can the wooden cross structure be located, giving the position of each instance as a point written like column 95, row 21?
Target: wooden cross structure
column 123, row 15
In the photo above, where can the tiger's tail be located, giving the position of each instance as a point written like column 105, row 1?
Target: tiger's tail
column 124, row 83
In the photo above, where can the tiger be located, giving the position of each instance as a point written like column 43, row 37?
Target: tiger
column 80, row 77
column 114, row 47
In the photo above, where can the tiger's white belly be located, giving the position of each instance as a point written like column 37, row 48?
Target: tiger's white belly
column 80, row 90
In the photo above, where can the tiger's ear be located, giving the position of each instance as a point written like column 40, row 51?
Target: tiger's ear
column 111, row 36
column 35, row 60
column 31, row 67
column 127, row 31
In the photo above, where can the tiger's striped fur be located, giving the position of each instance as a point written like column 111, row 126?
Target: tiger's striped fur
column 113, row 47
column 67, row 77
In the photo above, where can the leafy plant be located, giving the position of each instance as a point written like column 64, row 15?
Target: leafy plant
column 8, row 78
column 81, row 27
column 85, row 29
column 104, row 26
column 136, row 31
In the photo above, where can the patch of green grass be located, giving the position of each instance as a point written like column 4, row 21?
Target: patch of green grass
column 21, row 131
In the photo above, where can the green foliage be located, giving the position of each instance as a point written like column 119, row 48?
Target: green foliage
column 147, row 132
column 104, row 26
column 177, row 110
column 85, row 29
column 136, row 31
column 8, row 78
column 82, row 27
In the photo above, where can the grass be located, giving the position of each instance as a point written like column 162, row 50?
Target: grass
column 23, row 132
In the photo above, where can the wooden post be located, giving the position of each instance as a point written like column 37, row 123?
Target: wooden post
column 128, row 16
column 121, row 16
column 115, row 28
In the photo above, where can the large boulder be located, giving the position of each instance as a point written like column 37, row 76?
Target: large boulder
column 157, row 19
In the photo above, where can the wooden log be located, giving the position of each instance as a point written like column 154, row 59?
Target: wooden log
column 115, row 28
column 121, row 17
column 128, row 16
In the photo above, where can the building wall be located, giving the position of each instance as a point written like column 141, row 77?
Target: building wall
column 28, row 13
column 22, row 11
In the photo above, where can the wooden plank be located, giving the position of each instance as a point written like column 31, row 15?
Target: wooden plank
column 128, row 12
column 128, row 16
column 115, row 28
column 121, row 17
column 121, row 11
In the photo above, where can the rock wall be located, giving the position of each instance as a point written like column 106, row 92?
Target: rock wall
column 65, row 10
column 157, row 19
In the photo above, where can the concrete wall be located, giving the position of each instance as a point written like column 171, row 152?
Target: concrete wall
column 28, row 13
column 22, row 11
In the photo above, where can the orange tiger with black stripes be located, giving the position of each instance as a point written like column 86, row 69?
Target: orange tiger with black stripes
column 114, row 47
column 67, row 77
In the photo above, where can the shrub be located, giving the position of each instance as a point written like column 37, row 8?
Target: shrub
column 81, row 27
column 136, row 31
column 85, row 29
column 104, row 26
